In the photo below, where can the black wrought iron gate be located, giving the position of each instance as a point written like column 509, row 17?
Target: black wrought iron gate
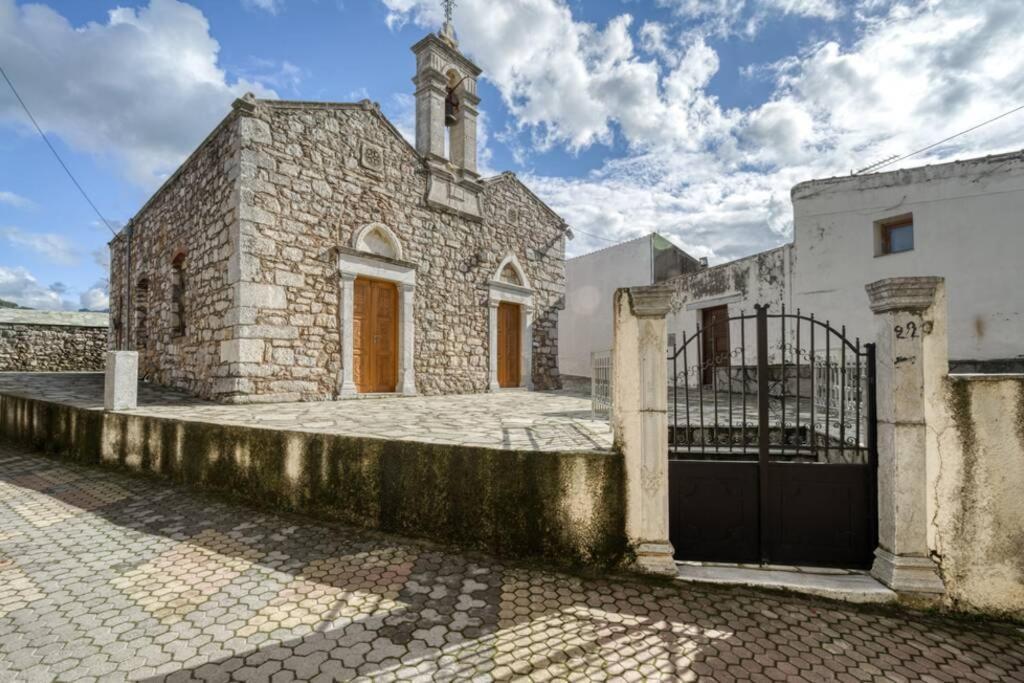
column 774, row 459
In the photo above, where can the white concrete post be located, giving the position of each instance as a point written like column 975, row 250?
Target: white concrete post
column 492, row 344
column 407, row 383
column 911, row 364
column 640, row 420
column 346, row 313
column 121, row 383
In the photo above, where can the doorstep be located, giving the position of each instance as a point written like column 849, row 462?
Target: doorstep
column 838, row 584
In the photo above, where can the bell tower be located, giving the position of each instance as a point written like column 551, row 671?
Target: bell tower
column 446, row 120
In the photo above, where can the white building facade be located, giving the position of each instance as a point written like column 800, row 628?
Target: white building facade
column 962, row 220
column 585, row 326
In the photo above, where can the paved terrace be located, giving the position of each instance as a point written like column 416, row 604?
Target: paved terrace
column 109, row 577
column 514, row 420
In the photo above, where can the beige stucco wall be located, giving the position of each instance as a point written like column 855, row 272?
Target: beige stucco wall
column 967, row 229
column 975, row 427
column 591, row 280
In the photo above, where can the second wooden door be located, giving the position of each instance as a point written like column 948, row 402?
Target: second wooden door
column 715, row 341
column 509, row 345
column 375, row 336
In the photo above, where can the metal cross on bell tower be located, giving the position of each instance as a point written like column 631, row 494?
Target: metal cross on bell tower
column 448, row 30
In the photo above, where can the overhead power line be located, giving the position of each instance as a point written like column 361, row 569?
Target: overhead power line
column 55, row 154
column 600, row 237
column 893, row 160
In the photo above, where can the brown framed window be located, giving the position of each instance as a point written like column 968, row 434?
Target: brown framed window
column 895, row 236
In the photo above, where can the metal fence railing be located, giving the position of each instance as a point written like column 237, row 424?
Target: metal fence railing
column 600, row 385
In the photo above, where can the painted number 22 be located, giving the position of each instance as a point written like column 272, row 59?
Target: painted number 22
column 908, row 331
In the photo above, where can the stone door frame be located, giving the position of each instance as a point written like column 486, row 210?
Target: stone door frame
column 353, row 263
column 497, row 292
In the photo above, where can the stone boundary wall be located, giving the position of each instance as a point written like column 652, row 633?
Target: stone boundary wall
column 977, row 476
column 566, row 508
column 51, row 348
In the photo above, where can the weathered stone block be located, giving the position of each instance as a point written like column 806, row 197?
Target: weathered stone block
column 256, row 295
column 242, row 351
column 289, row 279
column 120, row 388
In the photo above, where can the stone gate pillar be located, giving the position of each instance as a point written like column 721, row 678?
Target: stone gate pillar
column 640, row 420
column 912, row 362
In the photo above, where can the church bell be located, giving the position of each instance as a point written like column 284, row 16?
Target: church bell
column 451, row 108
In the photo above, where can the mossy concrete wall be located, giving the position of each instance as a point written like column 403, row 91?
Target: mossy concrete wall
column 976, row 492
column 560, row 507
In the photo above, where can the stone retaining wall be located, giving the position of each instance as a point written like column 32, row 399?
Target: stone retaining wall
column 563, row 507
column 51, row 348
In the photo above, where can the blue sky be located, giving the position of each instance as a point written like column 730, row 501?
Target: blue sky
column 690, row 117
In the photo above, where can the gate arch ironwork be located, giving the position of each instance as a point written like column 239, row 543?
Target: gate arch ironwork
column 774, row 460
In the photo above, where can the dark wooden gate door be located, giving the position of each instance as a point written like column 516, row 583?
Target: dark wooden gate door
column 715, row 340
column 375, row 336
column 777, row 462
column 509, row 345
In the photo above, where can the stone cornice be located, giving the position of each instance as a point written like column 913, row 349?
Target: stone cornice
column 903, row 293
column 349, row 251
column 432, row 40
column 518, row 289
column 653, row 300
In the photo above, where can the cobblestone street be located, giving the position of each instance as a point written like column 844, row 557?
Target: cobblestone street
column 114, row 577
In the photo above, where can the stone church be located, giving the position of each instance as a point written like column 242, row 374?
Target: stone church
column 307, row 251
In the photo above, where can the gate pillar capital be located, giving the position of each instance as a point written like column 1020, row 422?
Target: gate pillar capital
column 640, row 420
column 912, row 360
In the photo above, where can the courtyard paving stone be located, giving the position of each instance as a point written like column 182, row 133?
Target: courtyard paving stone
column 158, row 583
column 516, row 420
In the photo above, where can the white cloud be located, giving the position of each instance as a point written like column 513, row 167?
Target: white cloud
column 56, row 248
column 19, row 285
column 96, row 298
column 144, row 86
column 717, row 179
column 15, row 200
column 401, row 111
column 749, row 16
column 824, row 9
column 270, row 6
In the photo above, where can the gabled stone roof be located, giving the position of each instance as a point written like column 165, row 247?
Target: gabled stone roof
column 509, row 176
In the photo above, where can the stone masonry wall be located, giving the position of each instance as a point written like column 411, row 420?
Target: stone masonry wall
column 195, row 213
column 311, row 176
column 51, row 348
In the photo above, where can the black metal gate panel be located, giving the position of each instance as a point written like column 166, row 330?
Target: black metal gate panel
column 772, row 454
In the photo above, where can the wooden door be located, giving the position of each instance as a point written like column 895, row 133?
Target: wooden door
column 715, row 341
column 375, row 336
column 509, row 345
